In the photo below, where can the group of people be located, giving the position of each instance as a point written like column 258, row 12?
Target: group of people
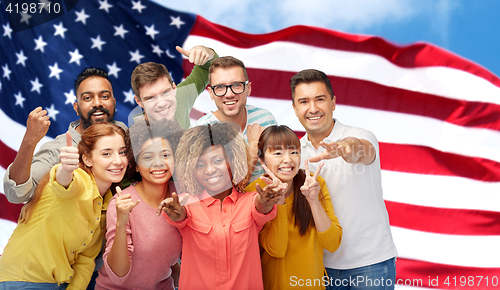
column 233, row 202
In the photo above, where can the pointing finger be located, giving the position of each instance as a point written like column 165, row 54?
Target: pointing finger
column 175, row 197
column 182, row 50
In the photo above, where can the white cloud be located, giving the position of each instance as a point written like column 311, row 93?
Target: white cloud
column 354, row 16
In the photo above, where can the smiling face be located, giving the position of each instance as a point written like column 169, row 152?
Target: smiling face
column 230, row 105
column 95, row 102
column 158, row 99
column 212, row 171
column 283, row 162
column 155, row 162
column 314, row 107
column 107, row 161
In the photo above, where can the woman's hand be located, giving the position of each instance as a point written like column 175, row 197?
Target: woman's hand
column 173, row 207
column 310, row 188
column 69, row 162
column 124, row 206
column 274, row 191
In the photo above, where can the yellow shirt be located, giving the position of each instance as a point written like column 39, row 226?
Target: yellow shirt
column 63, row 236
column 290, row 260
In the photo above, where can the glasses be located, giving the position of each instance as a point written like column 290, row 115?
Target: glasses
column 237, row 88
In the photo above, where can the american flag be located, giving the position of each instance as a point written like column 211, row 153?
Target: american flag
column 435, row 114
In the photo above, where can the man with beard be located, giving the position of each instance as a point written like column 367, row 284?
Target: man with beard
column 94, row 104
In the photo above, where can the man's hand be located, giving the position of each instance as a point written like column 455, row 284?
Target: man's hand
column 198, row 55
column 37, row 125
column 352, row 150
column 253, row 133
column 174, row 207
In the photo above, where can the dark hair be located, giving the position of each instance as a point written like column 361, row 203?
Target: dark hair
column 88, row 73
column 197, row 139
column 310, row 76
column 148, row 73
column 282, row 137
column 226, row 62
column 144, row 130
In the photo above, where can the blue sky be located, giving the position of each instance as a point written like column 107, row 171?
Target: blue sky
column 470, row 29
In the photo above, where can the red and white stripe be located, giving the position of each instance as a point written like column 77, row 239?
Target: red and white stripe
column 435, row 114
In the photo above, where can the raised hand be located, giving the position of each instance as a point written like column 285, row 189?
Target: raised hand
column 174, row 207
column 37, row 125
column 253, row 133
column 124, row 206
column 197, row 55
column 274, row 191
column 310, row 188
column 69, row 155
column 69, row 162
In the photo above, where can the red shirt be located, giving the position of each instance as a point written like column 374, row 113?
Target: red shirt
column 220, row 247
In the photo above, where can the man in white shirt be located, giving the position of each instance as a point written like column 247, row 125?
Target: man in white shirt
column 229, row 88
column 367, row 254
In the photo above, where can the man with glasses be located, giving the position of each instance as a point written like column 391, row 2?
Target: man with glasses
column 159, row 97
column 229, row 88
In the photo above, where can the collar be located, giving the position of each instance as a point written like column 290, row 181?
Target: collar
column 207, row 200
column 105, row 198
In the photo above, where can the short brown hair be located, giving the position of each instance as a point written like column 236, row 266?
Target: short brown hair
column 226, row 62
column 310, row 76
column 148, row 73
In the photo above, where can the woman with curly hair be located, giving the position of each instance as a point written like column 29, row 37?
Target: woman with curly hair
column 61, row 229
column 142, row 248
column 219, row 223
column 306, row 224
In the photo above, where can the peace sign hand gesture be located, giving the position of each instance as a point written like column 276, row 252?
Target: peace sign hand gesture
column 311, row 186
column 124, row 206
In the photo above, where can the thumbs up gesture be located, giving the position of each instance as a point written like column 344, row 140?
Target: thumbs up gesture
column 197, row 55
column 69, row 162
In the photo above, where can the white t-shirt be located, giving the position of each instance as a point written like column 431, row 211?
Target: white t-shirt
column 356, row 193
column 254, row 116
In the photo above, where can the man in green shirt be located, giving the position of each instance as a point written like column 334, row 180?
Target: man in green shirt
column 158, row 95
